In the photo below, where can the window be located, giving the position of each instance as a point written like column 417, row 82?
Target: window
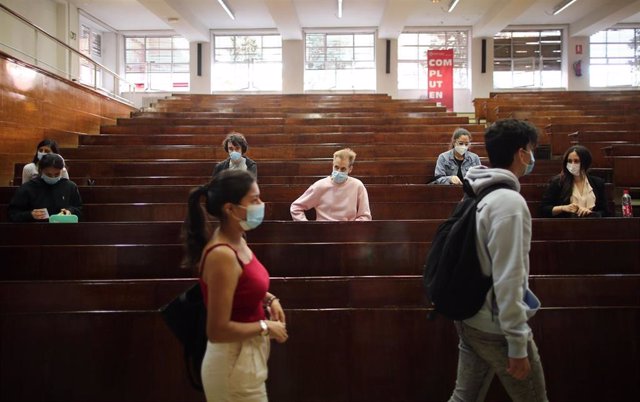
column 157, row 63
column 90, row 44
column 615, row 58
column 251, row 63
column 412, row 57
column 338, row 61
column 527, row 59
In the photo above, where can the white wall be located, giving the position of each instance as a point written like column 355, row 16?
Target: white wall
column 481, row 83
column 387, row 83
column 578, row 83
column 22, row 38
column 200, row 84
column 292, row 66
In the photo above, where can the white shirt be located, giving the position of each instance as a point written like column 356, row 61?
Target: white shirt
column 30, row 171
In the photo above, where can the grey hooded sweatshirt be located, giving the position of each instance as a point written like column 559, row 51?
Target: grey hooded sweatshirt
column 503, row 226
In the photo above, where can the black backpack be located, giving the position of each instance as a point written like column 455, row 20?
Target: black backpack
column 453, row 278
column 186, row 317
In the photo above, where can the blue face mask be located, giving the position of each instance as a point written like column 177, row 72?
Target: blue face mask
column 235, row 156
column 255, row 215
column 339, row 177
column 50, row 180
column 529, row 168
column 41, row 154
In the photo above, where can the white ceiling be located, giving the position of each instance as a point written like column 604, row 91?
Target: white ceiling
column 388, row 17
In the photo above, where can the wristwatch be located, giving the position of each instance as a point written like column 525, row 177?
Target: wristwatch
column 264, row 328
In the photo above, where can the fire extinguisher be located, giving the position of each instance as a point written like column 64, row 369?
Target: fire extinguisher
column 577, row 68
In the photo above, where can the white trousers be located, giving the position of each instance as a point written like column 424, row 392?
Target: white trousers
column 237, row 371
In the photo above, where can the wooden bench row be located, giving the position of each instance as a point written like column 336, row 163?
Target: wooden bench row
column 214, row 140
column 378, row 353
column 596, row 142
column 559, row 132
column 486, row 108
column 429, row 111
column 320, row 166
column 86, row 233
column 274, row 193
column 282, row 152
column 262, row 129
column 339, row 292
column 533, row 178
column 280, row 122
column 274, row 211
column 148, row 261
column 279, row 193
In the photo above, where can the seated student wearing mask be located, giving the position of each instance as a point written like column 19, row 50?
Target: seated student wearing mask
column 236, row 146
column 30, row 170
column 46, row 195
column 574, row 192
column 453, row 164
column 338, row 197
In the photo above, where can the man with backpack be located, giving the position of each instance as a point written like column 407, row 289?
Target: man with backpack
column 497, row 339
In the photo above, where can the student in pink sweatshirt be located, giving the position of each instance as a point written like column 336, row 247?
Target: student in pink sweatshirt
column 337, row 197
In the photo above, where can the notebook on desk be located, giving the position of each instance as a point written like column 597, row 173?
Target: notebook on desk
column 63, row 219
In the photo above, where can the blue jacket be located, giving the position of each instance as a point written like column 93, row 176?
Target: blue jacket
column 447, row 166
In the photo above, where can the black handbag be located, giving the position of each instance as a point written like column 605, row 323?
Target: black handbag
column 186, row 317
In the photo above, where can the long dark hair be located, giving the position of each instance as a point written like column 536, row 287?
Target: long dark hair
column 566, row 178
column 227, row 186
column 45, row 143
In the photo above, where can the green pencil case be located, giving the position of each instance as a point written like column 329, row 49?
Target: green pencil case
column 63, row 219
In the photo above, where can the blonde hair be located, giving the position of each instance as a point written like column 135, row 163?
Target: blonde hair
column 346, row 153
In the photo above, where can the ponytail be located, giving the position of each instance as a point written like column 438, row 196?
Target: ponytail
column 226, row 186
column 195, row 230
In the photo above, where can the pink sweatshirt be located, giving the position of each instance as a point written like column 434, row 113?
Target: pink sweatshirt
column 348, row 201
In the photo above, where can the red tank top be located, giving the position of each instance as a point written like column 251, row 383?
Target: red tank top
column 252, row 286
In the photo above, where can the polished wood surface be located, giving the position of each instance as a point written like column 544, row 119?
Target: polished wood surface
column 152, row 261
column 302, row 232
column 338, row 338
column 33, row 101
column 353, row 291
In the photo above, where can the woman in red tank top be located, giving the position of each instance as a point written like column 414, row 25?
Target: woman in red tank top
column 235, row 288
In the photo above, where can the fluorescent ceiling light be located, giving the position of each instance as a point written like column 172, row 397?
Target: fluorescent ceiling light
column 227, row 9
column 452, row 5
column 562, row 6
column 339, row 8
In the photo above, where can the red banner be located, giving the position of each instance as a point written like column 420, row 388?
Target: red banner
column 440, row 74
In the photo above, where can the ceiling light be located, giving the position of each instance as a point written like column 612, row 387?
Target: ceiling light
column 227, row 9
column 560, row 7
column 339, row 8
column 453, row 5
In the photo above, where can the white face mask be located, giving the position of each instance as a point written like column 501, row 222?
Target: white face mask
column 50, row 180
column 461, row 149
column 574, row 168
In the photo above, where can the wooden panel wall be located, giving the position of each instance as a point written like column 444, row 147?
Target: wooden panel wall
column 33, row 100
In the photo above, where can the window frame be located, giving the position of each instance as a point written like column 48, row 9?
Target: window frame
column 340, row 67
column 248, row 63
column 151, row 68
column 538, row 62
column 421, row 63
column 609, row 61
